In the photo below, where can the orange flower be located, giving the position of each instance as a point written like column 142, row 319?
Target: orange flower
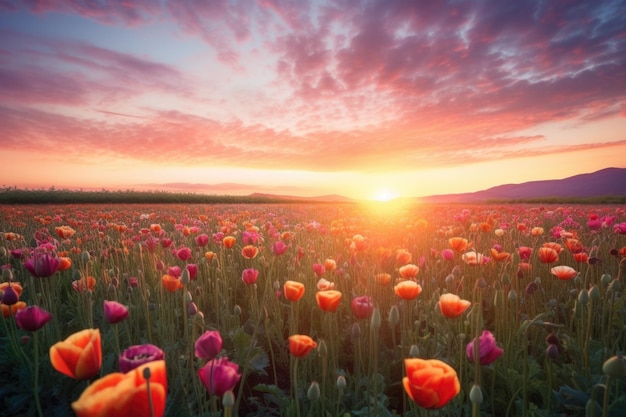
column 229, row 242
column 293, row 290
column 172, row 284
column 548, row 255
column 451, row 305
column 300, row 345
column 485, row 227
column 407, row 290
column 403, row 256
column 581, row 257
column 564, row 272
column 210, row 256
column 408, row 271
column 64, row 232
column 458, row 244
column 574, row 245
column 8, row 311
column 17, row 287
column 558, row 248
column 65, row 263
column 328, row 300
column 119, row 394
column 249, row 251
column 155, row 227
column 473, row 258
column 431, row 383
column 382, row 279
column 536, row 231
column 84, row 284
column 330, row 265
column 499, row 256
column 79, row 356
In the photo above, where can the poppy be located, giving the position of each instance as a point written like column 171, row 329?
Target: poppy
column 330, row 265
column 171, row 283
column 451, row 305
column 300, row 345
column 431, row 383
column 64, row 232
column 137, row 355
column 119, row 394
column 32, row 318
column 249, row 251
column 16, row 286
column 114, row 312
column 79, row 356
column 499, row 255
column 65, row 263
column 249, row 276
column 458, row 244
column 84, row 284
column 382, row 279
column 547, row 255
column 564, row 272
column 408, row 271
column 407, row 290
column 228, row 242
column 362, row 307
column 293, row 290
column 581, row 257
column 328, row 300
column 324, row 285
column 42, row 265
column 208, row 345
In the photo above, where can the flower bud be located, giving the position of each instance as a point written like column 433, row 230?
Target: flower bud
column 414, row 352
column 552, row 352
column 85, row 256
column 313, row 393
column 476, row 394
column 7, row 275
column 375, row 320
column 394, row 316
column 228, row 400
column 605, row 279
column 512, row 296
column 594, row 293
column 185, row 277
column 356, row 331
column 615, row 367
column 322, row 348
column 341, row 382
column 583, row 297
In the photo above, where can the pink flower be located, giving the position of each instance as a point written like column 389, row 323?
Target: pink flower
column 202, row 240
column 208, row 345
column 114, row 312
column 279, row 247
column 184, row 254
column 620, row 228
column 193, row 271
column 447, row 254
column 249, row 276
column 166, row 242
column 42, row 265
column 488, row 351
column 219, row 376
column 524, row 252
column 362, row 307
column 137, row 355
column 174, row 271
column 319, row 269
column 32, row 318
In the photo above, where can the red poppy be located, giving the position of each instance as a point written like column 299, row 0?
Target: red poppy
column 451, row 305
column 431, row 383
column 328, row 300
column 293, row 290
column 407, row 290
column 300, row 345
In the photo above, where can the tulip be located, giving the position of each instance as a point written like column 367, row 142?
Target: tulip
column 328, row 300
column 126, row 394
column 279, row 247
column 362, row 307
column 229, row 242
column 114, row 312
column 451, row 305
column 249, row 276
column 193, row 271
column 42, row 265
column 249, row 251
column 431, row 383
column 219, row 376
column 202, row 240
column 293, row 290
column 208, row 345
column 32, row 318
column 170, row 283
column 138, row 355
column 488, row 351
column 407, row 290
column 79, row 356
column 300, row 345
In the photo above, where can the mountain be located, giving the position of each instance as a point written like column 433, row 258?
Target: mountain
column 606, row 182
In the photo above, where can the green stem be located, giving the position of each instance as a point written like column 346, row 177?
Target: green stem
column 605, row 401
column 36, row 374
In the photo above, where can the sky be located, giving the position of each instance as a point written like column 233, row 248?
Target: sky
column 367, row 99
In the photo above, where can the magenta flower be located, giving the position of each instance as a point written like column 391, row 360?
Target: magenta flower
column 193, row 271
column 137, row 355
column 488, row 351
column 202, row 240
column 447, row 254
column 279, row 247
column 184, row 254
column 10, row 296
column 16, row 253
column 362, row 307
column 249, row 276
column 208, row 345
column 114, row 312
column 42, row 265
column 319, row 270
column 219, row 376
column 166, row 242
column 32, row 318
column 620, row 228
column 174, row 271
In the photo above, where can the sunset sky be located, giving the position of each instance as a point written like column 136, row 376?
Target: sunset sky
column 367, row 99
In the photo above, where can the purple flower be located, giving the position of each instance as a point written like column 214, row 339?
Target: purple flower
column 42, row 265
column 362, row 307
column 32, row 318
column 114, row 312
column 10, row 296
column 208, row 345
column 137, row 355
column 219, row 376
column 488, row 351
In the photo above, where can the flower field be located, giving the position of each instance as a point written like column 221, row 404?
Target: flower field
column 312, row 310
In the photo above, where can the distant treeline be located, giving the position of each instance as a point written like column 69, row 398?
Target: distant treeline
column 609, row 199
column 12, row 195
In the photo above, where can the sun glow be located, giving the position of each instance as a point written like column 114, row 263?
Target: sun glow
column 384, row 195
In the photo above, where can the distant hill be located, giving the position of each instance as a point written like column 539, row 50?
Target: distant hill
column 606, row 182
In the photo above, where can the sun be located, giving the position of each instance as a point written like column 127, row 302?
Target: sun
column 384, row 195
